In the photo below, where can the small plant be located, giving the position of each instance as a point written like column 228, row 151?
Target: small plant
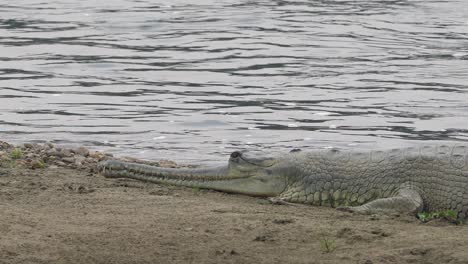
column 327, row 244
column 39, row 164
column 448, row 215
column 16, row 154
column 42, row 163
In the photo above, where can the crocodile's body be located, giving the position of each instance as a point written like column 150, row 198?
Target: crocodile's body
column 429, row 178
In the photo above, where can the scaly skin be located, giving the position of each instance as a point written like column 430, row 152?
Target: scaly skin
column 409, row 180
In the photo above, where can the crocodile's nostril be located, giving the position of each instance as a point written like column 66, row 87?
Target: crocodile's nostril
column 235, row 154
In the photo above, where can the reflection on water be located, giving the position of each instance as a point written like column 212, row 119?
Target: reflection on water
column 189, row 80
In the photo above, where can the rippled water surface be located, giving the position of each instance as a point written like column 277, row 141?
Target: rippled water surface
column 194, row 80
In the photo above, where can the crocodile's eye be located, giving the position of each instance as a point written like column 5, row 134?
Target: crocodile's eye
column 235, row 154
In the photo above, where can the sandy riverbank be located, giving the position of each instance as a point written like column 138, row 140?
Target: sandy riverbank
column 55, row 208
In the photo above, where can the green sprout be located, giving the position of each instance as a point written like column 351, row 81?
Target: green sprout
column 448, row 215
column 16, row 154
column 327, row 245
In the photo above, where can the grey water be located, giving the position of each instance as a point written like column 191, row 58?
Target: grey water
column 195, row 80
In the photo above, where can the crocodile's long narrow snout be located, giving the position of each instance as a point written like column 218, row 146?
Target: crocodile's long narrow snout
column 118, row 169
column 241, row 175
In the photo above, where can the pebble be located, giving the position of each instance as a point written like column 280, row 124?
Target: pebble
column 5, row 145
column 38, row 156
column 30, row 155
column 66, row 153
column 97, row 155
column 82, row 151
column 28, row 145
column 79, row 160
column 53, row 152
column 60, row 163
column 37, row 164
column 68, row 160
column 49, row 145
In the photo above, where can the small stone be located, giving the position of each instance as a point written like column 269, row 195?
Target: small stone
column 28, row 145
column 30, row 156
column 37, row 164
column 79, row 160
column 68, row 160
column 60, row 163
column 59, row 152
column 66, row 153
column 23, row 163
column 5, row 145
column 99, row 156
column 53, row 152
column 82, row 151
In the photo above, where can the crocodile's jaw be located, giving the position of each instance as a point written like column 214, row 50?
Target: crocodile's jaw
column 263, row 186
column 260, row 182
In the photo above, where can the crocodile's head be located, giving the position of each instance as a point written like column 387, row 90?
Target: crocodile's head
column 244, row 163
column 249, row 173
column 254, row 173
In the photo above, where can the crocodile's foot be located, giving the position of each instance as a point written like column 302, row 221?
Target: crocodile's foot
column 406, row 201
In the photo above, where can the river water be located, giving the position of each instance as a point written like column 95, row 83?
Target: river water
column 194, row 80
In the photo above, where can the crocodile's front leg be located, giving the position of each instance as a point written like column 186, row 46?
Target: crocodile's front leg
column 407, row 201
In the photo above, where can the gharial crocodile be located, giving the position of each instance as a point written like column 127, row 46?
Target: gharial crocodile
column 406, row 180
